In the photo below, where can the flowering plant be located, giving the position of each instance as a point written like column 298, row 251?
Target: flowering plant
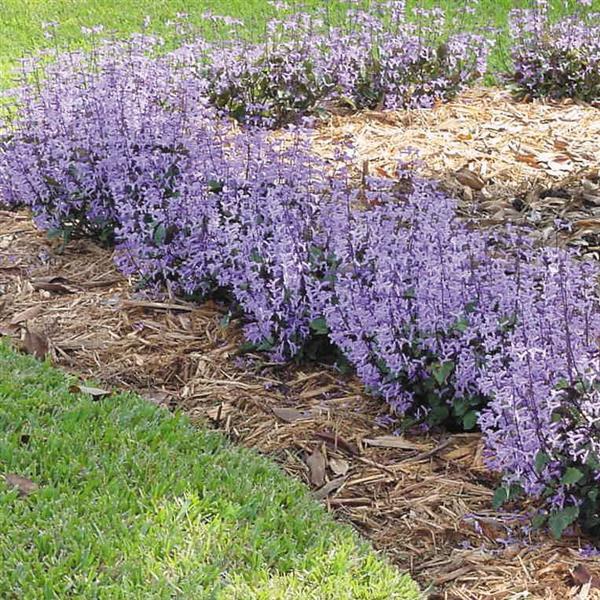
column 450, row 324
column 556, row 59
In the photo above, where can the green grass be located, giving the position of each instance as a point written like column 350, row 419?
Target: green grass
column 136, row 503
column 21, row 20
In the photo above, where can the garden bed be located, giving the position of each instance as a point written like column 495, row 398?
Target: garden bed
column 426, row 500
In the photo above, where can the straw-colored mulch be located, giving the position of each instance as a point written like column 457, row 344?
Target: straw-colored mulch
column 425, row 500
column 506, row 161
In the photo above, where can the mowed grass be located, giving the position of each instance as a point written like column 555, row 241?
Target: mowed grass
column 21, row 21
column 134, row 502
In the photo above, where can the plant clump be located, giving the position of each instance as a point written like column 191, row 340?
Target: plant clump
column 556, row 59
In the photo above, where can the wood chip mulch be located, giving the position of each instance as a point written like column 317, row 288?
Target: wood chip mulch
column 423, row 500
column 526, row 163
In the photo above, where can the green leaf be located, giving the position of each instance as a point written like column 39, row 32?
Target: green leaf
column 344, row 365
column 439, row 414
column 571, row 476
column 319, row 326
column 247, row 347
column 461, row 324
column 505, row 493
column 265, row 345
column 541, row 460
column 470, row 420
column 560, row 520
column 460, row 407
column 382, row 366
column 256, row 257
column 501, row 495
column 215, row 186
column 470, row 307
column 160, row 234
column 316, row 252
column 593, row 462
column 539, row 520
column 442, row 371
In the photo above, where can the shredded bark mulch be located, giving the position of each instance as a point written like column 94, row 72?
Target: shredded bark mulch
column 526, row 163
column 424, row 500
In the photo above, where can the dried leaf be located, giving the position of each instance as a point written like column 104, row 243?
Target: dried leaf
column 24, row 485
column 337, row 442
column 455, row 574
column 464, row 451
column 36, row 344
column 156, row 397
column 56, row 284
column 11, row 270
column 470, row 179
column 8, row 331
column 155, row 305
column 27, row 314
column 291, row 415
column 560, row 144
column 94, row 392
column 529, row 159
column 328, row 488
column 394, row 441
column 316, row 464
column 339, row 466
column 581, row 576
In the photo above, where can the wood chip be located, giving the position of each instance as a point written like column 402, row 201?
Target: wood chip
column 291, row 415
column 582, row 575
column 94, row 392
column 329, row 488
column 393, row 441
column 339, row 466
column 28, row 314
column 316, row 464
column 36, row 344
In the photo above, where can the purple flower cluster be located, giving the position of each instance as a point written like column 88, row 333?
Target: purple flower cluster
column 542, row 427
column 556, row 59
column 408, row 286
column 449, row 324
column 456, row 326
column 94, row 130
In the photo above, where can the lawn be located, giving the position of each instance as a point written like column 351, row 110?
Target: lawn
column 21, row 21
column 133, row 502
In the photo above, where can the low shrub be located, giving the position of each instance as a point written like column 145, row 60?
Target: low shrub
column 407, row 284
column 455, row 326
column 270, row 83
column 87, row 130
column 555, row 59
column 271, row 242
column 379, row 56
column 541, row 427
